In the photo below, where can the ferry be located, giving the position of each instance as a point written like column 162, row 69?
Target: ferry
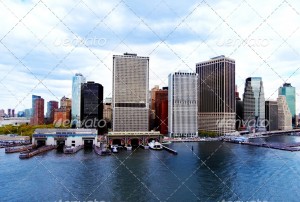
column 155, row 145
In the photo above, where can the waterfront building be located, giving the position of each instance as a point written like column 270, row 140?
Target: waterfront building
column 271, row 115
column 13, row 139
column 77, row 80
column 284, row 114
column 65, row 137
column 38, row 117
column 290, row 93
column 254, row 103
column 51, row 106
column 130, row 98
column 182, row 104
column 107, row 111
column 216, row 92
column 92, row 106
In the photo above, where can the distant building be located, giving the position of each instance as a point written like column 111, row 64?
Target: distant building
column 271, row 115
column 284, row 114
column 51, row 107
column 92, row 106
column 130, row 98
column 160, row 96
column 182, row 106
column 66, row 103
column 28, row 113
column 21, row 114
column 216, row 92
column 77, row 80
column 13, row 113
column 290, row 93
column 9, row 112
column 38, row 117
column 2, row 113
column 34, row 97
column 62, row 116
column 239, row 108
column 254, row 103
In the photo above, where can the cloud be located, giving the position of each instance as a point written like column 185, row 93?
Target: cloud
column 252, row 33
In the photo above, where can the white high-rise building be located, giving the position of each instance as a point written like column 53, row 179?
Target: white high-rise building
column 284, row 114
column 182, row 105
column 130, row 99
column 77, row 80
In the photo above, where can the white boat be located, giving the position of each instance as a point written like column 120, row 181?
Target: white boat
column 129, row 147
column 166, row 142
column 114, row 148
column 155, row 145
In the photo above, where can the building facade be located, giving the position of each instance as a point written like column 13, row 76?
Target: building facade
column 92, row 105
column 290, row 93
column 284, row 114
column 130, row 98
column 216, row 92
column 38, row 117
column 77, row 80
column 182, row 105
column 271, row 115
column 107, row 111
column 160, row 118
column 34, row 97
column 51, row 107
column 254, row 103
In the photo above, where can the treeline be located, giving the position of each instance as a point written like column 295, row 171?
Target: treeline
column 24, row 129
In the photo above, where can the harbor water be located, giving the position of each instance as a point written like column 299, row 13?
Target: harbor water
column 202, row 171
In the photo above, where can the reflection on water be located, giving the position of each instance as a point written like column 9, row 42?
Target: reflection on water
column 213, row 171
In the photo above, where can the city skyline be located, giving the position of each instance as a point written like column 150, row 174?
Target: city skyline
column 54, row 60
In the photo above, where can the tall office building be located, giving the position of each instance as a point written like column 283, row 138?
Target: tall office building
column 182, row 105
column 51, row 106
column 216, row 94
column 159, row 96
column 284, row 114
column 290, row 93
column 77, row 80
column 9, row 112
column 271, row 115
column 92, row 105
column 62, row 115
column 34, row 97
column 65, row 103
column 130, row 98
column 239, row 110
column 254, row 103
column 38, row 117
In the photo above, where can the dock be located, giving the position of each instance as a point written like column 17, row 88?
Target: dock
column 102, row 151
column 280, row 146
column 170, row 150
column 18, row 149
column 33, row 152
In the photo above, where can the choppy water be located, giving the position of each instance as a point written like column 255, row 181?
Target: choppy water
column 214, row 171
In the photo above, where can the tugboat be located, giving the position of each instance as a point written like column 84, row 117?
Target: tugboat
column 114, row 148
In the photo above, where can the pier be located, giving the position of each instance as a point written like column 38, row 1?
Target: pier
column 280, row 146
column 19, row 149
column 170, row 150
column 33, row 152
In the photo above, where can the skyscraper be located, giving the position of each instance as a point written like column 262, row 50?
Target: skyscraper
column 34, row 97
column 38, row 117
column 254, row 103
column 216, row 94
column 78, row 79
column 284, row 114
column 92, row 105
column 160, row 96
column 130, row 98
column 271, row 115
column 51, row 106
column 182, row 105
column 290, row 93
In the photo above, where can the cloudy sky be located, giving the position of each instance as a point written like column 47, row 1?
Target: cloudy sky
column 44, row 43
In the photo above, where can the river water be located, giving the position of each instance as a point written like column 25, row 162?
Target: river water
column 202, row 171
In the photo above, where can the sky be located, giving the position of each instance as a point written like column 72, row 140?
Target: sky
column 44, row 43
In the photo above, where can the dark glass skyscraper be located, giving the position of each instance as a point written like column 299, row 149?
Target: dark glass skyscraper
column 34, row 97
column 271, row 115
column 51, row 106
column 254, row 103
column 91, row 105
column 216, row 106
